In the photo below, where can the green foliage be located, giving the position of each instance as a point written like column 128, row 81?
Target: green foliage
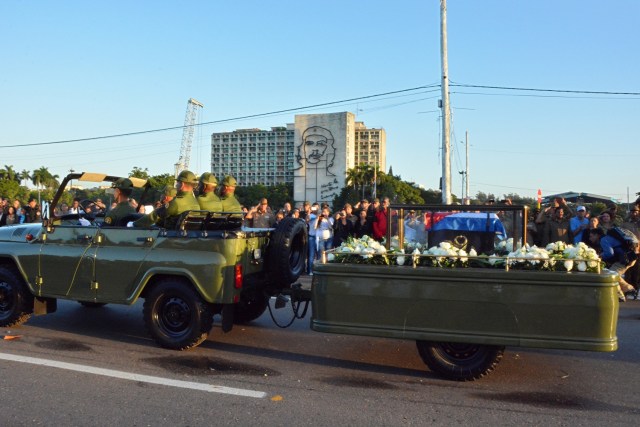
column 277, row 195
column 137, row 172
column 12, row 190
column 431, row 196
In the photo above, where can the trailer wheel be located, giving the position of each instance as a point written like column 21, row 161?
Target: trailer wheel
column 176, row 316
column 288, row 251
column 460, row 361
column 16, row 302
column 250, row 307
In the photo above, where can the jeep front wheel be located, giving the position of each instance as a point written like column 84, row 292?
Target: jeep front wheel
column 460, row 361
column 16, row 302
column 176, row 316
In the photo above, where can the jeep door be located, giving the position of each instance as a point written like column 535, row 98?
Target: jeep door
column 66, row 262
column 119, row 256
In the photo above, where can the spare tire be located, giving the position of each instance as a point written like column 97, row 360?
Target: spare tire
column 288, row 251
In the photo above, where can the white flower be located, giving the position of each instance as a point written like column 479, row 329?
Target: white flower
column 346, row 249
column 381, row 250
column 331, row 257
column 568, row 264
column 445, row 245
column 400, row 260
column 473, row 252
column 463, row 255
column 582, row 266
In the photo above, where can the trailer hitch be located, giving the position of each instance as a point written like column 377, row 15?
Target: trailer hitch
column 299, row 299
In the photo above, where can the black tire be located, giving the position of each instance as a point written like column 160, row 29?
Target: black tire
column 460, row 361
column 91, row 304
column 176, row 316
column 288, row 251
column 250, row 307
column 16, row 302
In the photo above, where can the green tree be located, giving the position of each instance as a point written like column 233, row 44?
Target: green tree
column 25, row 176
column 137, row 172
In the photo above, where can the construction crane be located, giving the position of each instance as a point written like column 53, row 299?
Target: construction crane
column 193, row 107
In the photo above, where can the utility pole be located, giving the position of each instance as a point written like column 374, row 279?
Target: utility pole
column 446, row 115
column 466, row 173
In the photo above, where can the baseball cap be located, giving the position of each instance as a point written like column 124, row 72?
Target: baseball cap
column 581, row 208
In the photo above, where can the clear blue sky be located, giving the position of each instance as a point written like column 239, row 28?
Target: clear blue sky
column 77, row 69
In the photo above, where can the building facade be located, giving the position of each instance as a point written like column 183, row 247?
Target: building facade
column 314, row 154
column 254, row 156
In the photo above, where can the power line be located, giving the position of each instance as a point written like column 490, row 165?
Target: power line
column 589, row 92
column 250, row 116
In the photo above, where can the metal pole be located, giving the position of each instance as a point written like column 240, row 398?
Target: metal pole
column 466, row 174
column 446, row 116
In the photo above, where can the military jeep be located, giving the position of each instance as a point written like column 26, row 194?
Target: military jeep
column 209, row 264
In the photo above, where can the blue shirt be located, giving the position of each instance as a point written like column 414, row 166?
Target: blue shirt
column 609, row 245
column 574, row 223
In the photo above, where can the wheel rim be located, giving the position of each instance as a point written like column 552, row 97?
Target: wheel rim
column 6, row 300
column 459, row 352
column 174, row 316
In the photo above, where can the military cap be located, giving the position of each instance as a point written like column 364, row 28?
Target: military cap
column 188, row 177
column 230, row 181
column 170, row 191
column 208, row 178
column 123, row 184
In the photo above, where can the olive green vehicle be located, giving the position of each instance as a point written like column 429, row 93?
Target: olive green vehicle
column 462, row 318
column 209, row 264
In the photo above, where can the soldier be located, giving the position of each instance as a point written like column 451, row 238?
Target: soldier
column 121, row 190
column 167, row 215
column 227, row 197
column 208, row 199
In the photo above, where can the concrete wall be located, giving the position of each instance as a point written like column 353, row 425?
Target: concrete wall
column 324, row 146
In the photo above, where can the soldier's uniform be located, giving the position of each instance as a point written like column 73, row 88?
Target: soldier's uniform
column 166, row 216
column 122, row 209
column 229, row 201
column 209, row 201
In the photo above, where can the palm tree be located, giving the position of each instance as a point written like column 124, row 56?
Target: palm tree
column 10, row 173
column 42, row 177
column 25, row 175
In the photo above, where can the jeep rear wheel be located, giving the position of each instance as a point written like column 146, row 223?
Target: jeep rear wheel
column 16, row 302
column 460, row 361
column 176, row 316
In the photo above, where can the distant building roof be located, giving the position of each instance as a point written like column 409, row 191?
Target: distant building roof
column 573, row 196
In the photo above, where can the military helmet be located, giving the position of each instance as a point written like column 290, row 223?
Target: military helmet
column 188, row 177
column 208, row 178
column 169, row 191
column 123, row 184
column 230, row 181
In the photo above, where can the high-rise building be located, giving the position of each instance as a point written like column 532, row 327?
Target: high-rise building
column 314, row 154
column 254, row 156
column 371, row 146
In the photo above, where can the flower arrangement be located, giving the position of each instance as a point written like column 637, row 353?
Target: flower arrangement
column 557, row 256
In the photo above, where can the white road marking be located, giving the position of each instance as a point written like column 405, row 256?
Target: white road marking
column 133, row 377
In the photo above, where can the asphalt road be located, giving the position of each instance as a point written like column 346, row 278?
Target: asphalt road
column 83, row 366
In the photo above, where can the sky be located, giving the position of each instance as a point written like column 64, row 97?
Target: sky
column 76, row 69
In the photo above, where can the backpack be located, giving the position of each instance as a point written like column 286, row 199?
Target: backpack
column 629, row 242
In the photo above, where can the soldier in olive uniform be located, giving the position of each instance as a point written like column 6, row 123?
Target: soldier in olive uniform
column 208, row 199
column 227, row 197
column 166, row 216
column 121, row 189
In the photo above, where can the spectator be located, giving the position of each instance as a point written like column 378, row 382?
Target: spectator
column 348, row 209
column 362, row 226
column 295, row 213
column 3, row 216
column 286, row 209
column 306, row 210
column 32, row 212
column 616, row 257
column 578, row 224
column 414, row 229
column 75, row 207
column 11, row 217
column 342, row 228
column 594, row 223
column 310, row 219
column 261, row 215
column 381, row 219
column 632, row 223
column 606, row 222
column 279, row 217
column 324, row 230
column 556, row 229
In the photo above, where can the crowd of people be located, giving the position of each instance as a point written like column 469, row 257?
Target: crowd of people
column 16, row 212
